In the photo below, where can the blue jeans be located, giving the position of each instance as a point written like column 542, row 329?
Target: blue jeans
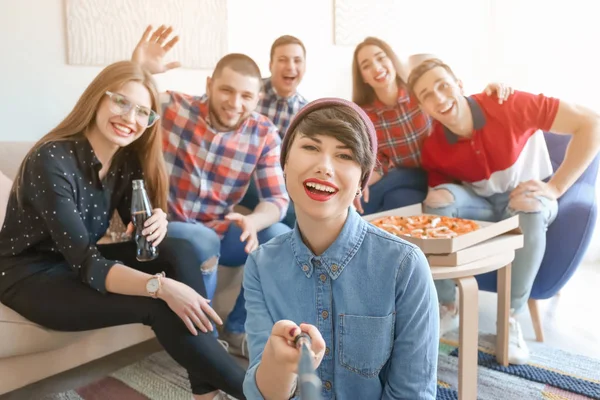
column 398, row 188
column 230, row 253
column 535, row 215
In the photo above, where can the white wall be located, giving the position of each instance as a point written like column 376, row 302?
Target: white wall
column 534, row 45
column 39, row 88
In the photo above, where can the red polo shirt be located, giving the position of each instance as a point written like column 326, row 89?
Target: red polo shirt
column 507, row 146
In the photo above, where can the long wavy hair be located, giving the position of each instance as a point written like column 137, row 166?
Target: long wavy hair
column 362, row 93
column 148, row 147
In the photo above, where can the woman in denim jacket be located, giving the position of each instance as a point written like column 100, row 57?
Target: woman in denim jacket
column 365, row 297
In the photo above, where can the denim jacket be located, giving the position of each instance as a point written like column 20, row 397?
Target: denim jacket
column 372, row 297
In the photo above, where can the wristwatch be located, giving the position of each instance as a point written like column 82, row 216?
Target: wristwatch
column 154, row 284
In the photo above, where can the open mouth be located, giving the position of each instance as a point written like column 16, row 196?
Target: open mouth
column 381, row 77
column 319, row 191
column 446, row 109
column 289, row 79
column 122, row 130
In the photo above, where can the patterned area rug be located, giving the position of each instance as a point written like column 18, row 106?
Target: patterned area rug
column 551, row 374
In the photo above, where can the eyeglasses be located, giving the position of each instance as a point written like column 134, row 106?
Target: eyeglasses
column 121, row 105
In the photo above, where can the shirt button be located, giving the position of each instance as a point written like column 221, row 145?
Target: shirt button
column 325, row 314
column 317, row 263
column 334, row 268
column 327, row 385
column 323, row 278
column 327, row 351
column 305, row 268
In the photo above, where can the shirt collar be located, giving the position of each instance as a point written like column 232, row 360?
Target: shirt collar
column 272, row 95
column 203, row 111
column 85, row 154
column 335, row 259
column 478, row 120
column 403, row 97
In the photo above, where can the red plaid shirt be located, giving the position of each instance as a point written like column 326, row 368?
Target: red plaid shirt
column 401, row 130
column 209, row 171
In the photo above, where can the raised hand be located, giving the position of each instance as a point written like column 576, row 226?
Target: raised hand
column 249, row 234
column 152, row 47
column 501, row 91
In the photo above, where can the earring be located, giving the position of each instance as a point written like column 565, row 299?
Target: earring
column 284, row 176
column 359, row 192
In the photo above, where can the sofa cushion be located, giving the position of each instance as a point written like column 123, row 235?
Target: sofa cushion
column 18, row 336
column 5, row 186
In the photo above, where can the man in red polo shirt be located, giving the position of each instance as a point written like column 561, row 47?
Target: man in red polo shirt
column 487, row 161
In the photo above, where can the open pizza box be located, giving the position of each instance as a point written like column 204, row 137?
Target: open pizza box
column 490, row 238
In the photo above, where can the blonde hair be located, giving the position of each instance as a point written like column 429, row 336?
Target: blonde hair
column 147, row 147
column 362, row 92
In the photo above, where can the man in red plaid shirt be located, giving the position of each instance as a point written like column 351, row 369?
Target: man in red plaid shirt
column 213, row 146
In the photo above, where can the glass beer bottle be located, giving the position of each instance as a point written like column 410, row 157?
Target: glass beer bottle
column 141, row 210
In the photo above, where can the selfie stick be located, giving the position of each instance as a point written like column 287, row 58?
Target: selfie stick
column 309, row 383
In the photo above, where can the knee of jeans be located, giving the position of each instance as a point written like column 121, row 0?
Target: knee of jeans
column 439, row 198
column 205, row 242
column 209, row 266
column 524, row 203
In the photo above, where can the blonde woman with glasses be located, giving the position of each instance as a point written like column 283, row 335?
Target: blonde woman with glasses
column 53, row 272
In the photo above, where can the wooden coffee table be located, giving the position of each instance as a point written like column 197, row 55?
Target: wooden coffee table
column 464, row 276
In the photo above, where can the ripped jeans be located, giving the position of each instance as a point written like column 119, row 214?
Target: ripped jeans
column 535, row 215
column 229, row 252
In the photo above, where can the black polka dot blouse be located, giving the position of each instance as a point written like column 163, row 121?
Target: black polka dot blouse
column 63, row 210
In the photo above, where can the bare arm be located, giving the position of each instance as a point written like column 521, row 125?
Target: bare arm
column 122, row 279
column 584, row 125
column 265, row 214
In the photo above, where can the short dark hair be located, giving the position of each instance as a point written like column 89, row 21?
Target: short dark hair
column 285, row 40
column 421, row 69
column 240, row 63
column 339, row 122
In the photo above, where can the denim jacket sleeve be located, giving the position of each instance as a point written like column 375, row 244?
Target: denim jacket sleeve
column 258, row 326
column 413, row 368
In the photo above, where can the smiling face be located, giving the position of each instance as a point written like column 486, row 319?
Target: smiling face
column 287, row 67
column 322, row 176
column 440, row 96
column 232, row 98
column 117, row 129
column 376, row 67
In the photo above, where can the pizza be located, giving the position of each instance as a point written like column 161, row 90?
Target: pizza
column 426, row 226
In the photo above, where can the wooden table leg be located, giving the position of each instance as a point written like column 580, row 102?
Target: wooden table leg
column 468, row 341
column 503, row 290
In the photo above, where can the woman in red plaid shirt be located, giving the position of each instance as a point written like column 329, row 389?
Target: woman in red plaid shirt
column 378, row 87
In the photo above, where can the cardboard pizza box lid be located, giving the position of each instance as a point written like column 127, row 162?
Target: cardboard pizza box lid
column 487, row 230
column 497, row 245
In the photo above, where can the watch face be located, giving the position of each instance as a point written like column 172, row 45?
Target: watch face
column 152, row 285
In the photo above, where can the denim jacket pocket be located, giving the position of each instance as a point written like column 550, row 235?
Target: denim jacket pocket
column 366, row 343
